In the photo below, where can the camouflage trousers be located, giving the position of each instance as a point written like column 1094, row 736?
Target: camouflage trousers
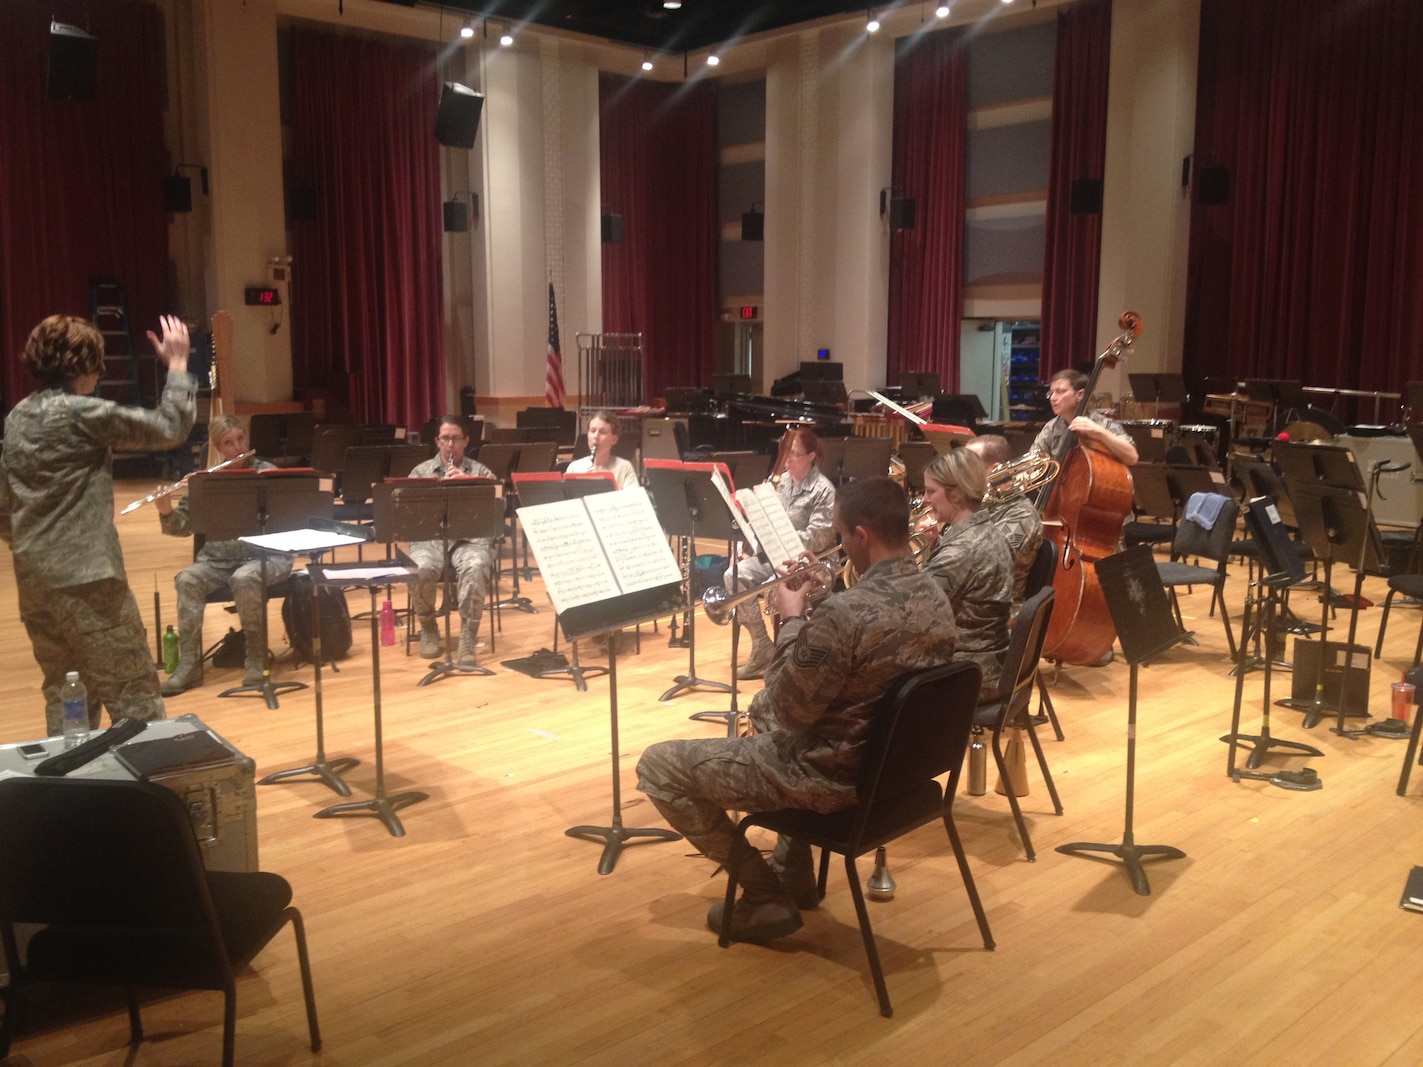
column 94, row 629
column 473, row 563
column 750, row 573
column 247, row 579
column 693, row 783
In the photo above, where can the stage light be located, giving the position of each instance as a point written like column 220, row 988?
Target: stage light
column 942, row 11
column 872, row 23
column 467, row 30
column 713, row 59
column 646, row 62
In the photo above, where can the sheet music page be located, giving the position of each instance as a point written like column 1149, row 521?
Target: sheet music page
column 300, row 541
column 633, row 539
column 747, row 534
column 785, row 537
column 757, row 524
column 571, row 560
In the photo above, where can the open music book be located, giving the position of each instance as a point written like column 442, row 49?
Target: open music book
column 599, row 547
column 758, row 511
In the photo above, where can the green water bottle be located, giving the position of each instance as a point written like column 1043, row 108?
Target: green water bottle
column 170, row 651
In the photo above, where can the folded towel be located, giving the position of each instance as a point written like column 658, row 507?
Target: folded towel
column 1204, row 508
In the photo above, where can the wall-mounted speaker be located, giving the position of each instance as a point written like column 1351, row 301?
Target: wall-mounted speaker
column 1086, row 196
column 301, row 204
column 753, row 226
column 456, row 216
column 457, row 121
column 901, row 213
column 612, row 229
column 73, row 60
column 177, row 195
column 1213, row 185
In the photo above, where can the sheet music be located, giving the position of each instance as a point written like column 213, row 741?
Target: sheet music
column 301, row 541
column 747, row 533
column 783, row 534
column 574, row 568
column 633, row 539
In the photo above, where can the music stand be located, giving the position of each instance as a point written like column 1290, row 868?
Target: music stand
column 865, row 457
column 1285, row 398
column 1280, row 568
column 237, row 506
column 284, row 435
column 689, row 506
column 447, row 510
column 373, row 576
column 318, row 536
column 1334, row 522
column 1146, row 627
column 609, row 617
column 1161, row 388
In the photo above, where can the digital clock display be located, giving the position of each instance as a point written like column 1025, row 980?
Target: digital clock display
column 263, row 296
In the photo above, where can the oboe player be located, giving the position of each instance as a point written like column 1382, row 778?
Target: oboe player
column 473, row 560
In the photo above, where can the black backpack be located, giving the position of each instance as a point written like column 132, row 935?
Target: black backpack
column 335, row 620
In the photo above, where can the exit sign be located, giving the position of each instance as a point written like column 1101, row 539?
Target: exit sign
column 748, row 312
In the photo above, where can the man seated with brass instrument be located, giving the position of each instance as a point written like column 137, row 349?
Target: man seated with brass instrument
column 241, row 569
column 1012, row 511
column 823, row 685
column 1066, row 391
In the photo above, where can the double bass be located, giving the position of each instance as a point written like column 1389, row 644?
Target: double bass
column 1083, row 515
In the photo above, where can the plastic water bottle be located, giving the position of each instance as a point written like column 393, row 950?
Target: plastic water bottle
column 170, row 651
column 387, row 623
column 76, row 710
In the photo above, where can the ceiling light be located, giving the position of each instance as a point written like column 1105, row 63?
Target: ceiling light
column 506, row 38
column 713, row 59
column 872, row 23
column 942, row 11
column 646, row 62
column 671, row 5
column 467, row 30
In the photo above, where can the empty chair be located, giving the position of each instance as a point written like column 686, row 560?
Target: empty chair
column 921, row 733
column 1020, row 664
column 113, row 870
column 1195, row 538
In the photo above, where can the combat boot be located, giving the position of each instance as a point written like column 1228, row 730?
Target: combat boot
column 430, row 644
column 466, row 650
column 189, row 674
column 795, row 867
column 762, row 648
column 764, row 910
column 255, row 668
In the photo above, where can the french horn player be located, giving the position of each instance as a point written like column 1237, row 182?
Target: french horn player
column 1008, row 505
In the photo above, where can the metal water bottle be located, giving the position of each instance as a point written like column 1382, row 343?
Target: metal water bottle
column 170, row 650
column 387, row 623
column 977, row 764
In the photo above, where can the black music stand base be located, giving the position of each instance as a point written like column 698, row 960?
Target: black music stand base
column 614, row 837
column 1260, row 745
column 686, row 682
column 576, row 670
column 442, row 667
column 327, row 772
column 383, row 808
column 269, row 690
column 1130, row 853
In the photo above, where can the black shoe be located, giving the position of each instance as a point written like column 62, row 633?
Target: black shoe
column 756, row 921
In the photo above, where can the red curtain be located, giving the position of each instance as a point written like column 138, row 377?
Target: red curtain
column 367, row 286
column 81, row 182
column 658, row 172
column 1313, row 267
column 926, row 263
column 1073, row 245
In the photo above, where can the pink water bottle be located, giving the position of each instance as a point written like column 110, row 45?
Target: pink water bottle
column 387, row 623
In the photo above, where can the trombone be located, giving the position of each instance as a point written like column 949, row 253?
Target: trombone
column 821, row 572
column 165, row 490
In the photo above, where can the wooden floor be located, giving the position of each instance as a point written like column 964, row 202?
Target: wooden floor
column 486, row 935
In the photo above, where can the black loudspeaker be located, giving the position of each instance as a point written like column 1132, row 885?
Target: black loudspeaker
column 301, row 204
column 1086, row 198
column 753, row 226
column 457, row 121
column 1214, row 185
column 1342, row 671
column 456, row 216
column 612, row 229
column 177, row 195
column 73, row 58
column 901, row 213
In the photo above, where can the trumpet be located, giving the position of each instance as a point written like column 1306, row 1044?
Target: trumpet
column 166, row 490
column 821, row 572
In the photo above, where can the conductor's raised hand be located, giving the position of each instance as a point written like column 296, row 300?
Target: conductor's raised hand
column 173, row 346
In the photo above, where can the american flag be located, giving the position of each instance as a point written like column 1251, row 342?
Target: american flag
column 553, row 369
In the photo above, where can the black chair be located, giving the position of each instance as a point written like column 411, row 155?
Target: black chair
column 1193, row 539
column 1040, row 577
column 920, row 733
column 1151, row 499
column 1020, row 664
column 1411, row 586
column 113, row 869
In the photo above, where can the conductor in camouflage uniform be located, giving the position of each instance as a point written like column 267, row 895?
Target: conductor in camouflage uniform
column 221, row 564
column 823, row 686
column 1013, row 512
column 58, row 486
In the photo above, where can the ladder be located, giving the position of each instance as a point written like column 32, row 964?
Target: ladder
column 109, row 313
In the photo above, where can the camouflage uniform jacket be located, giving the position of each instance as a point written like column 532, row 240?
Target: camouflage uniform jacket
column 1023, row 527
column 811, row 506
column 974, row 565
column 179, row 523
column 58, row 481
column 434, row 467
column 830, row 672
column 1055, row 437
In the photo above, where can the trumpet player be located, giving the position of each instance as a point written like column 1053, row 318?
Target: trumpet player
column 809, row 499
column 58, row 487
column 1014, row 513
column 473, row 561
column 219, row 564
column 823, row 687
column 971, row 561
